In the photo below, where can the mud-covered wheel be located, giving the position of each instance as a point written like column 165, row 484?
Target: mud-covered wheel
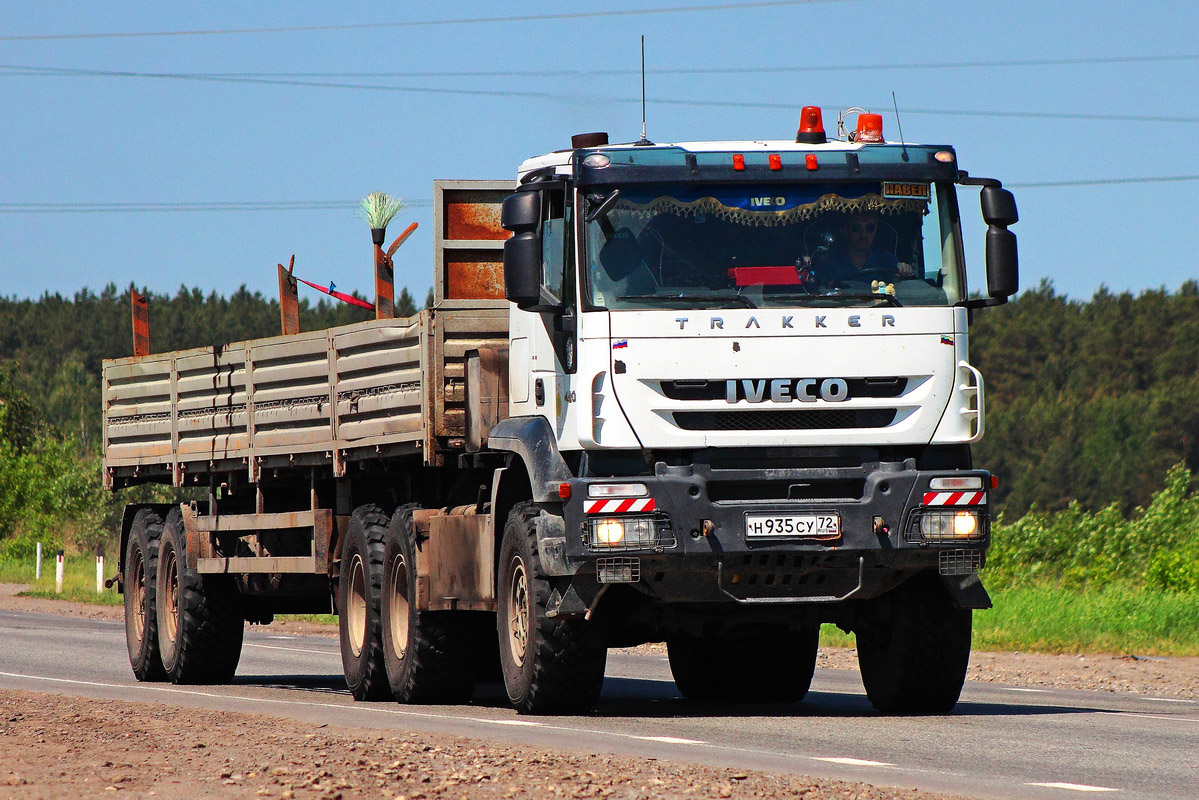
column 770, row 666
column 428, row 654
column 138, row 581
column 550, row 666
column 914, row 647
column 200, row 622
column 359, row 589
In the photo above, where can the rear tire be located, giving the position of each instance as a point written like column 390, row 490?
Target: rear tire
column 139, row 582
column 913, row 652
column 774, row 666
column 551, row 666
column 358, row 604
column 427, row 654
column 200, row 622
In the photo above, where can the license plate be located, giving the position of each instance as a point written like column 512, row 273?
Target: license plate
column 799, row 526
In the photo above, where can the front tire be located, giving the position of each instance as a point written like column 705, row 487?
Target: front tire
column 550, row 666
column 139, row 583
column 772, row 666
column 427, row 654
column 913, row 652
column 358, row 604
column 200, row 622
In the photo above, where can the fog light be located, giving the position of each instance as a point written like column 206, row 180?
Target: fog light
column 945, row 525
column 617, row 490
column 965, row 524
column 622, row 532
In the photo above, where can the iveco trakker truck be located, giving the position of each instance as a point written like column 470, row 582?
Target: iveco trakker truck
column 712, row 394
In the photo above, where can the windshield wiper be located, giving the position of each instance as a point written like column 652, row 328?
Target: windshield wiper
column 890, row 298
column 694, row 298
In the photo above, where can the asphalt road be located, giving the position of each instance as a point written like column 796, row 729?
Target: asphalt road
column 1000, row 742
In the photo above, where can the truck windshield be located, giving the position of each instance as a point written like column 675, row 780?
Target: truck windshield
column 774, row 246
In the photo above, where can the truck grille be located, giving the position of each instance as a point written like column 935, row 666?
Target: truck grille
column 692, row 390
column 806, row 420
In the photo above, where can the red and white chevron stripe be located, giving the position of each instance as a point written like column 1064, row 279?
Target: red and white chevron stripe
column 955, row 498
column 618, row 506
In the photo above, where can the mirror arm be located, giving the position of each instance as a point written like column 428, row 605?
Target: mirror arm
column 965, row 180
column 981, row 302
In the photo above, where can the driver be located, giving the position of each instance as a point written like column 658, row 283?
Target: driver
column 854, row 253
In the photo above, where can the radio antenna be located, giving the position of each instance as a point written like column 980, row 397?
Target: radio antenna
column 643, row 140
column 899, row 124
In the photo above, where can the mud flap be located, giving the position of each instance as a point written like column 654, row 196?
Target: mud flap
column 967, row 591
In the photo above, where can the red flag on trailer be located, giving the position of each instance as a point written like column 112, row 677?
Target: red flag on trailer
column 342, row 296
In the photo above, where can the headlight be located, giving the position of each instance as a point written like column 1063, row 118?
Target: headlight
column 946, row 525
column 625, row 532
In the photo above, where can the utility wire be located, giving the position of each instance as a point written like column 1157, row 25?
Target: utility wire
column 160, row 207
column 62, row 71
column 425, row 23
column 1103, row 182
column 590, row 73
column 338, row 205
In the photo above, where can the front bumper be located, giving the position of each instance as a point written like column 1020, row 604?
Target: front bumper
column 704, row 554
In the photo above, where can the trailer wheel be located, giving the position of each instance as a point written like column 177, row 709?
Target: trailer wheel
column 550, row 666
column 200, row 623
column 140, row 575
column 914, row 650
column 427, row 653
column 359, row 590
column 773, row 666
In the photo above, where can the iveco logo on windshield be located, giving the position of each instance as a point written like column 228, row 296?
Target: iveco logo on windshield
column 786, row 390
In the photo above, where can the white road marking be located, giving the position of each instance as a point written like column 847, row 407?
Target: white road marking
column 1147, row 716
column 1015, row 689
column 293, row 649
column 669, row 740
column 855, row 762
column 1075, row 787
column 524, row 722
column 278, row 636
column 1168, row 700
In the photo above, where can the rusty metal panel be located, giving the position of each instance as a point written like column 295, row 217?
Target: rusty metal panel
column 461, row 563
column 257, row 565
column 473, row 214
column 468, row 244
column 474, row 275
column 289, row 300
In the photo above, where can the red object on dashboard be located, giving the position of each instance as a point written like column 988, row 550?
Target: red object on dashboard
column 765, row 276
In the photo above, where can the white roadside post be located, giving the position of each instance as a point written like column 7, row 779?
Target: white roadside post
column 58, row 567
column 99, row 569
column 37, row 573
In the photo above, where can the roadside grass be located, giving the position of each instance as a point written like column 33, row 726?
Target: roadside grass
column 1051, row 619
column 78, row 579
column 1042, row 618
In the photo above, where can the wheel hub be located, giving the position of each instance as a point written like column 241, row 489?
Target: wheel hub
column 518, row 611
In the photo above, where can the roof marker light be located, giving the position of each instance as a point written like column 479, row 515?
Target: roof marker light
column 870, row 128
column 944, row 156
column 776, row 161
column 810, row 160
column 811, row 126
column 738, row 162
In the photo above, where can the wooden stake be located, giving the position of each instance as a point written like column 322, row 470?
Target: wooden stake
column 289, row 299
column 384, row 286
column 141, row 324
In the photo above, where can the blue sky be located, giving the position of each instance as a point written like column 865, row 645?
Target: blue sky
column 85, row 139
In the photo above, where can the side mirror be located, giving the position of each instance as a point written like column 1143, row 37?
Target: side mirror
column 521, row 214
column 1003, row 263
column 999, row 206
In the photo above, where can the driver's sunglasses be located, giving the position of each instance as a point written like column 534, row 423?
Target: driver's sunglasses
column 868, row 227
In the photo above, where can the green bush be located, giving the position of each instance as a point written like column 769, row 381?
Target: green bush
column 1156, row 547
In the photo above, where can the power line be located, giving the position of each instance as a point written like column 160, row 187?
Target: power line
column 428, row 22
column 63, row 71
column 340, row 205
column 183, row 207
column 1103, row 182
column 589, row 73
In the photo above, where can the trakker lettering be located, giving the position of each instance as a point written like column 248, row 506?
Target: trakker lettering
column 786, row 390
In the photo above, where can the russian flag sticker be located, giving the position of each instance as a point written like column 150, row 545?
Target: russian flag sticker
column 620, row 344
